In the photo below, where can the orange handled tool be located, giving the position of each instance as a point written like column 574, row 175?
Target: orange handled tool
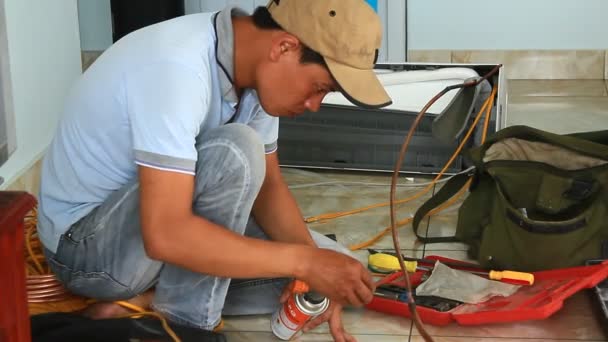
column 512, row 277
column 388, row 263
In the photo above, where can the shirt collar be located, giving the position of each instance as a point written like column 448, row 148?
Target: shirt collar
column 224, row 50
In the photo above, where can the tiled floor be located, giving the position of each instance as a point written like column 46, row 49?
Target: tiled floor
column 560, row 106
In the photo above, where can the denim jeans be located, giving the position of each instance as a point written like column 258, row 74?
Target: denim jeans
column 102, row 256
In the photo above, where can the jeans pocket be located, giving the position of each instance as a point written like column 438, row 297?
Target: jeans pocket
column 97, row 285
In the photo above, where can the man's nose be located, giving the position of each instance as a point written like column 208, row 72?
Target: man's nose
column 313, row 103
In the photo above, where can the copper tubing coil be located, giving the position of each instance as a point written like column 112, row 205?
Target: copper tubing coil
column 41, row 279
column 47, row 295
column 45, row 288
column 41, row 286
column 42, row 293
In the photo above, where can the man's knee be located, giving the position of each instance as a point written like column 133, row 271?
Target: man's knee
column 323, row 241
column 236, row 146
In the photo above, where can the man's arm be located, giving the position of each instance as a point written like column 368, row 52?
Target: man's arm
column 276, row 210
column 174, row 234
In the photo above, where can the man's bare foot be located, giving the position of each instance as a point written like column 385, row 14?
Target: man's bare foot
column 102, row 310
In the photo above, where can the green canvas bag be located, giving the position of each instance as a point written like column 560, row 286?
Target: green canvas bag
column 537, row 200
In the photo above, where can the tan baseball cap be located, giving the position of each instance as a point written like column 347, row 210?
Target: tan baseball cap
column 348, row 34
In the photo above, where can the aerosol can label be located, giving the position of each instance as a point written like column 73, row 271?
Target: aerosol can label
column 288, row 320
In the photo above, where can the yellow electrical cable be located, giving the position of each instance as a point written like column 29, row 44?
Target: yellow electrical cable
column 130, row 306
column 139, row 311
column 162, row 319
column 28, row 244
column 329, row 216
column 409, row 220
column 487, row 108
column 486, row 123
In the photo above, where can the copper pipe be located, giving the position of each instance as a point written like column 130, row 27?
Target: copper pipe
column 41, row 280
column 41, row 286
column 393, row 209
column 48, row 299
column 46, row 293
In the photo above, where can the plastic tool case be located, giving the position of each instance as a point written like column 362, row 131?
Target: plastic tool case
column 343, row 136
column 539, row 301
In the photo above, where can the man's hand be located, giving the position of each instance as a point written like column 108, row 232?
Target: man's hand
column 339, row 277
column 333, row 314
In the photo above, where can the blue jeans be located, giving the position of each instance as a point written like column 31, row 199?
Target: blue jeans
column 102, row 256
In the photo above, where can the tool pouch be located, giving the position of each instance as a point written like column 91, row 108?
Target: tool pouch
column 537, row 200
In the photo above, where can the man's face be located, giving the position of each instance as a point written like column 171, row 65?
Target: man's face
column 286, row 87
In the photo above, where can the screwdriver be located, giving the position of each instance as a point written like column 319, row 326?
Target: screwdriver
column 384, row 262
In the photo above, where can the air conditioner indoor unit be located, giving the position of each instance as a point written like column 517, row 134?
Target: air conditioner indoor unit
column 343, row 136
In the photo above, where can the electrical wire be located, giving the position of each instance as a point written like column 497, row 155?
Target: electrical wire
column 413, row 185
column 485, row 110
column 330, row 216
column 393, row 215
column 140, row 312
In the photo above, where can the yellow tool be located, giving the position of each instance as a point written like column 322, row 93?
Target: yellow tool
column 387, row 263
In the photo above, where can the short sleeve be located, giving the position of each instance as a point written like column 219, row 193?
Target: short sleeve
column 268, row 129
column 265, row 125
column 166, row 104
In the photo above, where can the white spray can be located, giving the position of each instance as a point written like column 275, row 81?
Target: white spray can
column 297, row 310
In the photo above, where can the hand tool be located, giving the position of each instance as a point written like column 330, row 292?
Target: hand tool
column 400, row 294
column 388, row 263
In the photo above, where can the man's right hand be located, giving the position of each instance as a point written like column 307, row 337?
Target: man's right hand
column 337, row 276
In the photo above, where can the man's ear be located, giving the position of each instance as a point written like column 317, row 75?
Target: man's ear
column 284, row 44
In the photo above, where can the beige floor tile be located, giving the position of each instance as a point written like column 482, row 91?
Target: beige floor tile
column 491, row 339
column 356, row 321
column 563, row 88
column 251, row 336
column 360, row 227
column 558, row 114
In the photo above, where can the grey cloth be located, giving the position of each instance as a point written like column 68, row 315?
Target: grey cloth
column 462, row 286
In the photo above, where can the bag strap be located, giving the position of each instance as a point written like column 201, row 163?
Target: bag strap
column 445, row 193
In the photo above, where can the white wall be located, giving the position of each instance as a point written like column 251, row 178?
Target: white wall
column 44, row 52
column 392, row 13
column 95, row 18
column 454, row 25
column 507, row 24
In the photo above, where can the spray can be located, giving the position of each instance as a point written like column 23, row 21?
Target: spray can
column 298, row 309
